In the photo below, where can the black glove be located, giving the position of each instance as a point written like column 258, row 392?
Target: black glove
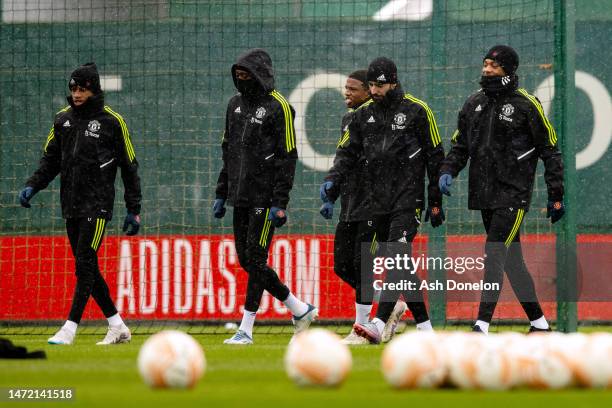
column 219, row 208
column 436, row 214
column 327, row 210
column 25, row 196
column 278, row 216
column 131, row 225
column 555, row 210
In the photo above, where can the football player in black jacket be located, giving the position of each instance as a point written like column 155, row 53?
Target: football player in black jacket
column 355, row 225
column 87, row 143
column 503, row 131
column 398, row 138
column 259, row 158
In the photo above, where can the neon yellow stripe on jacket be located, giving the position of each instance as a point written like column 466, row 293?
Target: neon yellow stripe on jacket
column 454, row 136
column 343, row 139
column 552, row 135
column 289, row 132
column 433, row 127
column 50, row 137
column 126, row 134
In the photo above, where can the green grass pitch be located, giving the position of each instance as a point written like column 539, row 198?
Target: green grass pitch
column 242, row 377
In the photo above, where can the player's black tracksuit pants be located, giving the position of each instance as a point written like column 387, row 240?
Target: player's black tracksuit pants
column 392, row 228
column 503, row 252
column 253, row 234
column 85, row 236
column 350, row 235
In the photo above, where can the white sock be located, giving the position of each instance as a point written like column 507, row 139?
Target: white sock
column 484, row 326
column 425, row 326
column 540, row 323
column 297, row 307
column 380, row 325
column 362, row 313
column 71, row 326
column 115, row 320
column 248, row 320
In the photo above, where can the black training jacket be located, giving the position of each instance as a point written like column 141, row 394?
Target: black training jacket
column 400, row 142
column 503, row 137
column 85, row 146
column 353, row 191
column 259, row 152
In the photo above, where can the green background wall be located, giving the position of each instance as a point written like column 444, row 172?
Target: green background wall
column 176, row 83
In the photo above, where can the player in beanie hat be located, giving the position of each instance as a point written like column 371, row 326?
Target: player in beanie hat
column 499, row 71
column 397, row 137
column 503, row 131
column 86, row 76
column 87, row 144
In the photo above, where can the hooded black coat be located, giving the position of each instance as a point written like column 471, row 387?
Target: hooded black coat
column 259, row 152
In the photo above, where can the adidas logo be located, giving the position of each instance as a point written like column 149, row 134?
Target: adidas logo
column 478, row 108
column 237, row 110
column 381, row 78
column 67, row 123
column 371, row 120
column 505, row 80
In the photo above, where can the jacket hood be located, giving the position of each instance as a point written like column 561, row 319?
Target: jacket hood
column 258, row 62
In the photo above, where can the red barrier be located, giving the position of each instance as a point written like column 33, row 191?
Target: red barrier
column 198, row 278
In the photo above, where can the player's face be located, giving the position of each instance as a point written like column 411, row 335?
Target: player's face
column 80, row 95
column 242, row 75
column 355, row 93
column 378, row 90
column 492, row 68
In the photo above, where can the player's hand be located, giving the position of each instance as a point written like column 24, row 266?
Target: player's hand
column 325, row 187
column 131, row 225
column 327, row 210
column 219, row 208
column 444, row 183
column 25, row 196
column 436, row 214
column 555, row 210
column 278, row 216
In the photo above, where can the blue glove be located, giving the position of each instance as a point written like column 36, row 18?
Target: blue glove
column 277, row 216
column 325, row 187
column 327, row 210
column 444, row 183
column 219, row 208
column 25, row 195
column 436, row 214
column 131, row 225
column 555, row 210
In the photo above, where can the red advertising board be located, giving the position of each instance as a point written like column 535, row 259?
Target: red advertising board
column 198, row 277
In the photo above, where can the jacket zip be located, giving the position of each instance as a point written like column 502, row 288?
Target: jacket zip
column 491, row 102
column 384, row 130
column 246, row 124
column 74, row 151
